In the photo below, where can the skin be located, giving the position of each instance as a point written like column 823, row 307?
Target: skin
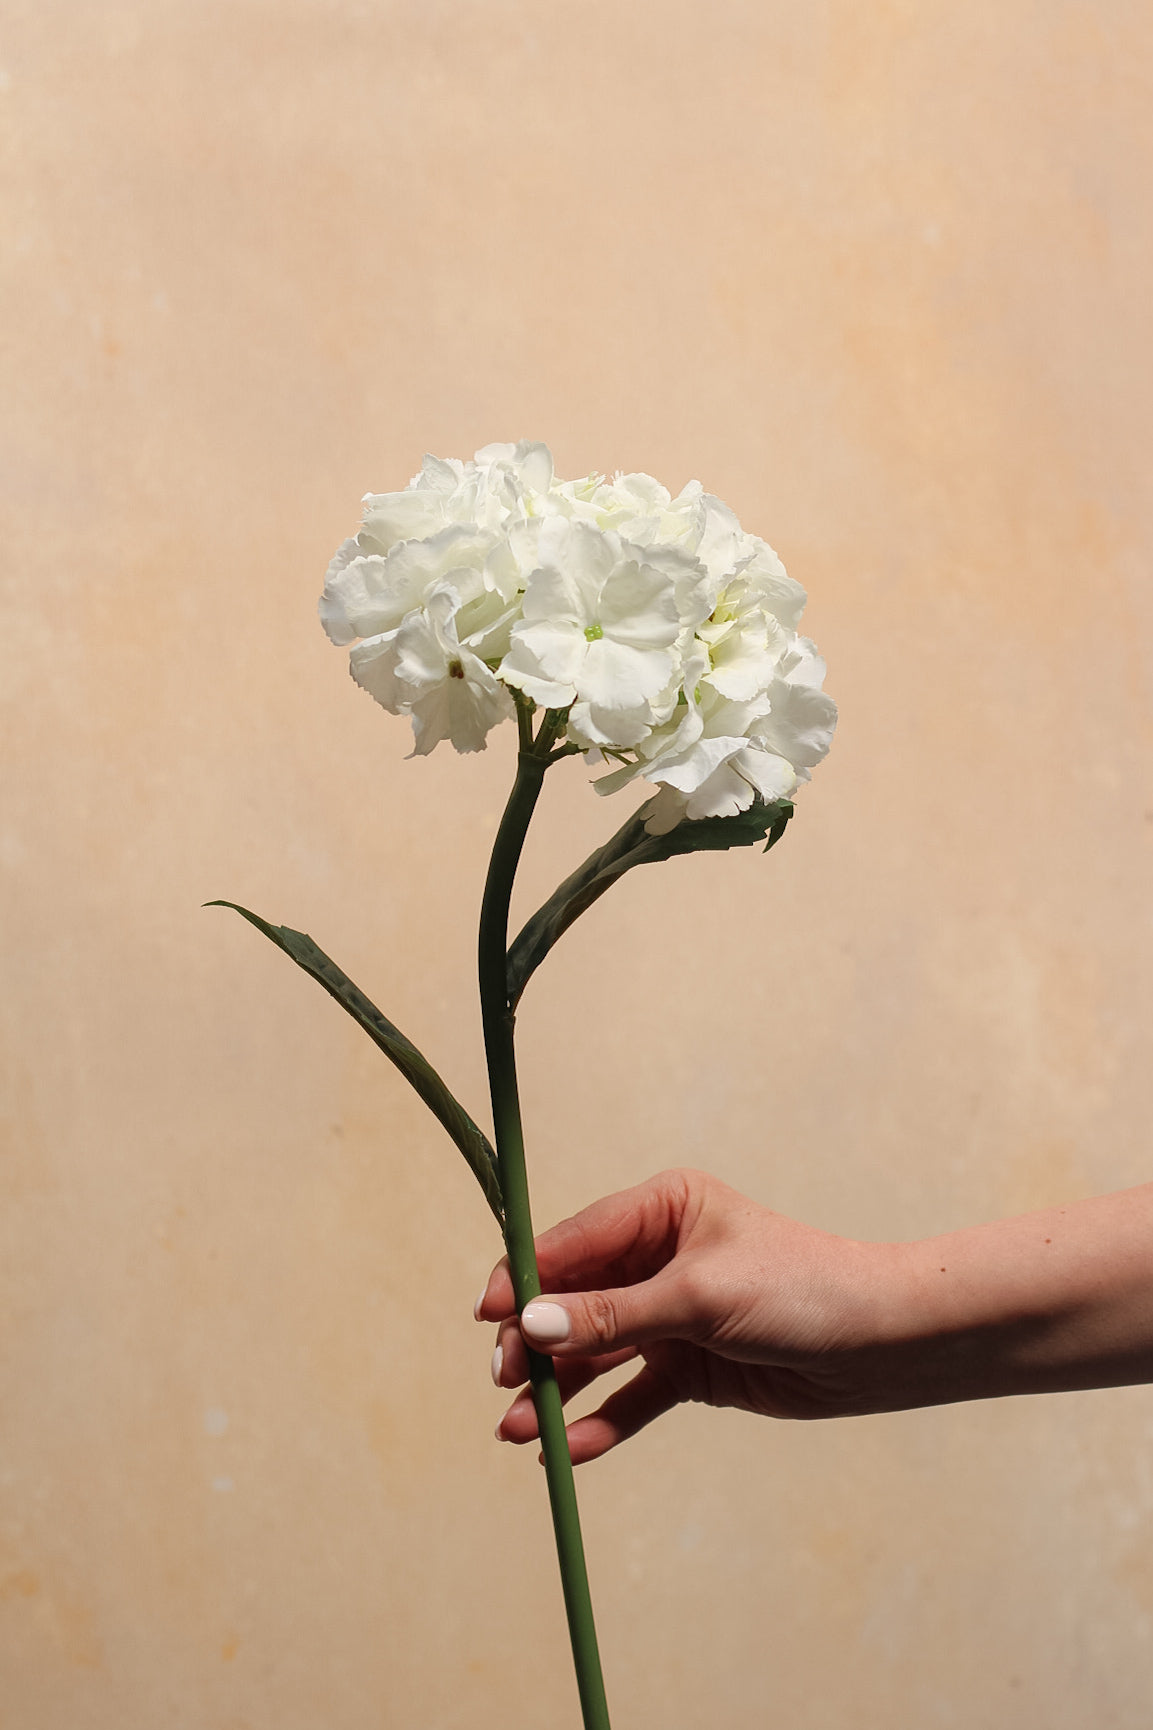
column 721, row 1300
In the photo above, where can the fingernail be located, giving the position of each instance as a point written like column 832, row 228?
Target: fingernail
column 476, row 1308
column 546, row 1324
column 499, row 1431
column 497, row 1361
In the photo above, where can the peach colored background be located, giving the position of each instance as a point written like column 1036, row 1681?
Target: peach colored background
column 880, row 276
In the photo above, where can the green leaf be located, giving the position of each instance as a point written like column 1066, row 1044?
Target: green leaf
column 632, row 845
column 413, row 1065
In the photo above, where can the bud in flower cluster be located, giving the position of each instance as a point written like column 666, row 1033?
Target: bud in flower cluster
column 667, row 633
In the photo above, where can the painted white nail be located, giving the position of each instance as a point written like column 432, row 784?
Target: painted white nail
column 546, row 1324
column 477, row 1304
column 497, row 1361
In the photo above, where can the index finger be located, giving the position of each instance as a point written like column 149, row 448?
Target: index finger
column 616, row 1241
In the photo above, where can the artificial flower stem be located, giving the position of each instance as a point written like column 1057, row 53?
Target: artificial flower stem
column 499, row 1023
column 524, row 711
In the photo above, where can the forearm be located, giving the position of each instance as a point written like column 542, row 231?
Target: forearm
column 1054, row 1300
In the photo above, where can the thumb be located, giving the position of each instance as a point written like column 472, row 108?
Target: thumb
column 590, row 1323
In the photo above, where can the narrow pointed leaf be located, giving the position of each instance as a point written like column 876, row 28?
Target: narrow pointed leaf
column 633, row 845
column 413, row 1065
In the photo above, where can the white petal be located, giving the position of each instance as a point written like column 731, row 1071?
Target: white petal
column 553, row 649
column 776, row 592
column 521, row 669
column 584, row 555
column 371, row 594
column 484, row 625
column 746, row 656
column 535, row 464
column 462, row 708
column 393, row 517
column 440, row 474
column 620, row 727
column 373, row 666
column 800, row 725
column 723, row 717
column 680, row 731
column 690, row 769
column 378, row 593
column 421, row 660
column 772, row 776
column 619, row 778
column 614, row 676
column 552, row 596
column 722, row 543
column 334, row 602
column 495, row 453
column 803, row 665
column 724, row 794
column 638, row 605
column 649, row 494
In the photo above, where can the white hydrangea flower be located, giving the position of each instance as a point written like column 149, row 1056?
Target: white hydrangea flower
column 423, row 669
column 601, row 621
column 664, row 631
column 366, row 593
column 502, row 482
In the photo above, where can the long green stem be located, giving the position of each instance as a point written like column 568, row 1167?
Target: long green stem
column 499, row 1023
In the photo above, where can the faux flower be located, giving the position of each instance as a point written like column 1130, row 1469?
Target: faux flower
column 650, row 633
column 662, row 631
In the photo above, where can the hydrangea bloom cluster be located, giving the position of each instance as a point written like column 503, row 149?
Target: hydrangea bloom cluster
column 667, row 633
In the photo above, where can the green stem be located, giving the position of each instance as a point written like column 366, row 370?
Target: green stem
column 499, row 1024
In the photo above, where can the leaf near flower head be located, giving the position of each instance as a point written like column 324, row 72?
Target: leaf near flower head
column 634, row 844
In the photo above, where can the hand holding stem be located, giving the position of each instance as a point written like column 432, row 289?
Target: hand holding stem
column 726, row 1302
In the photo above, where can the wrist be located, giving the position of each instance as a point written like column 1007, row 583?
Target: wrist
column 1050, row 1301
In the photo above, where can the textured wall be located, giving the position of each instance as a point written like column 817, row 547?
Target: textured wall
column 880, row 277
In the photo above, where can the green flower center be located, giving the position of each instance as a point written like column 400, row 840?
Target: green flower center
column 455, row 669
column 594, row 633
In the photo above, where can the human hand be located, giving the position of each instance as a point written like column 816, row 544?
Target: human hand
column 722, row 1300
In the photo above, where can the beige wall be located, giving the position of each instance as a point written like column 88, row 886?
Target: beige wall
column 880, row 276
